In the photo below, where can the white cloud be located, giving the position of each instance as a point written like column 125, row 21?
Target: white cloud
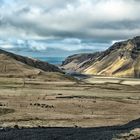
column 7, row 46
column 38, row 46
column 71, row 21
column 71, row 41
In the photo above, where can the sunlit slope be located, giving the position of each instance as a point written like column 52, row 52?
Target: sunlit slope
column 16, row 66
column 121, row 60
column 11, row 67
column 29, row 61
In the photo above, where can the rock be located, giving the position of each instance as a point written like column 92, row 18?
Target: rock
column 132, row 135
column 16, row 126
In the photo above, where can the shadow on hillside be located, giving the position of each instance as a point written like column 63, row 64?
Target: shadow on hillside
column 95, row 133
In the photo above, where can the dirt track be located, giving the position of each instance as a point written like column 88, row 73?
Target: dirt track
column 98, row 133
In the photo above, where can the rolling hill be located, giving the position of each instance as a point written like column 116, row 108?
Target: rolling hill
column 13, row 65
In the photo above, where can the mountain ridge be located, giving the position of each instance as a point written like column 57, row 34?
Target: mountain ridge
column 122, row 59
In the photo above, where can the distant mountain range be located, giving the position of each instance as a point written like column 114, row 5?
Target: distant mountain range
column 122, row 59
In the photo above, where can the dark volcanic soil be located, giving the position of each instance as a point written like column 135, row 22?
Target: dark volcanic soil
column 97, row 133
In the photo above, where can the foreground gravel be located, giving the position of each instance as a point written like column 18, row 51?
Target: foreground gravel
column 98, row 133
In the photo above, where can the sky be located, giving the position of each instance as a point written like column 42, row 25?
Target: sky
column 70, row 25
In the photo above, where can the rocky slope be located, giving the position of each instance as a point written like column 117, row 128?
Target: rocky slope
column 79, row 62
column 12, row 64
column 132, row 135
column 122, row 59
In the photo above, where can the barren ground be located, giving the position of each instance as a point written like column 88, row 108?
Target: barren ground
column 42, row 103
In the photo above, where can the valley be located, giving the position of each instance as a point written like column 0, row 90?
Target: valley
column 68, row 107
column 43, row 102
column 39, row 97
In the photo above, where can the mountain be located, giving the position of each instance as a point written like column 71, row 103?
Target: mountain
column 16, row 65
column 79, row 62
column 122, row 59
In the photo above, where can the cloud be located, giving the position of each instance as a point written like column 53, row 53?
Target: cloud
column 69, row 44
column 70, row 22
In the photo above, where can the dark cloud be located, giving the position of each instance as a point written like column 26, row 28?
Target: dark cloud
column 93, row 20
